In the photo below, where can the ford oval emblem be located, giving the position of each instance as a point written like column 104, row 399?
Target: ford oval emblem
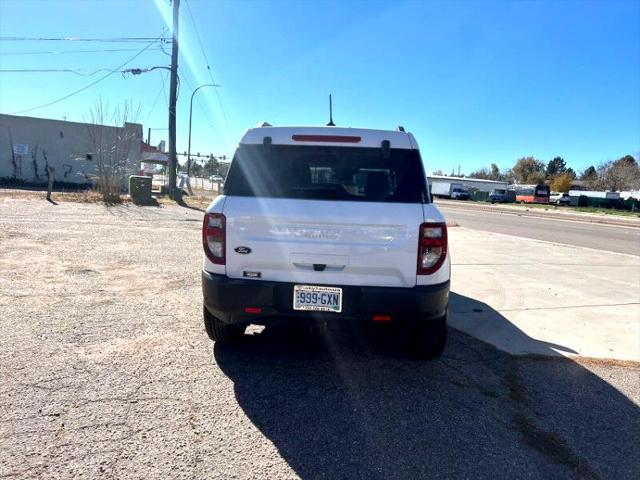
column 242, row 250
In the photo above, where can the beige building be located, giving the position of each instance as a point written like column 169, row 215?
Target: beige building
column 76, row 151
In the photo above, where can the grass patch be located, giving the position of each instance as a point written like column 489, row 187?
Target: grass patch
column 82, row 196
column 199, row 201
column 593, row 210
column 194, row 202
column 565, row 209
column 607, row 211
column 88, row 196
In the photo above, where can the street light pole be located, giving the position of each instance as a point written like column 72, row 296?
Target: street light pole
column 190, row 117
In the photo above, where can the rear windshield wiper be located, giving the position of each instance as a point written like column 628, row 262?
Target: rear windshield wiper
column 336, row 191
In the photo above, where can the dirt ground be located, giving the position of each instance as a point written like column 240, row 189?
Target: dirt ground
column 106, row 372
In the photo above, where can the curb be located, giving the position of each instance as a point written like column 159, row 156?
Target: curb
column 553, row 215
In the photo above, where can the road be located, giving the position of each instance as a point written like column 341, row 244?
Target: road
column 602, row 237
column 106, row 372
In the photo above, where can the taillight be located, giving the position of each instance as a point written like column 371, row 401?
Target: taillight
column 213, row 237
column 432, row 247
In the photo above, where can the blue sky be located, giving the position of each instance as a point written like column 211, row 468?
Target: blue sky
column 476, row 82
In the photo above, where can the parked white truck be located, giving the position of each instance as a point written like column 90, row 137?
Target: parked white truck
column 327, row 224
column 448, row 189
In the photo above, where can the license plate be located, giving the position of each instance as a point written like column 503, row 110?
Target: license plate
column 317, row 299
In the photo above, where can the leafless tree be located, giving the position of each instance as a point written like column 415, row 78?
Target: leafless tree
column 621, row 174
column 111, row 146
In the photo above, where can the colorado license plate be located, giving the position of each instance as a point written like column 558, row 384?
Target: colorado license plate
column 318, row 299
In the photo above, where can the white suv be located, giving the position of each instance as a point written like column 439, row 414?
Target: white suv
column 326, row 224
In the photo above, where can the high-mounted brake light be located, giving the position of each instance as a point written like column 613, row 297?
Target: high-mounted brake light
column 432, row 247
column 386, row 148
column 213, row 237
column 327, row 138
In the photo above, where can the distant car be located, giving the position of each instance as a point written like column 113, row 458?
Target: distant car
column 559, row 198
column 502, row 195
column 216, row 178
column 564, row 200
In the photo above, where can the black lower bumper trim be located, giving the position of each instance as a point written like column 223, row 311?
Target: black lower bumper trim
column 227, row 298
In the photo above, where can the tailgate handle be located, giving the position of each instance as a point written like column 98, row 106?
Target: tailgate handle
column 319, row 262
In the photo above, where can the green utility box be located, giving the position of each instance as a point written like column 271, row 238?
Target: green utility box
column 140, row 189
column 595, row 202
column 478, row 196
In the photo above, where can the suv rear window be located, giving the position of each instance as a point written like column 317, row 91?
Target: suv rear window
column 327, row 173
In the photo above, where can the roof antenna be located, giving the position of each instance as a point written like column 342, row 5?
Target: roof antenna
column 330, row 124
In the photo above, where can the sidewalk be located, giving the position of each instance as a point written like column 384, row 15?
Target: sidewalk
column 529, row 296
column 566, row 213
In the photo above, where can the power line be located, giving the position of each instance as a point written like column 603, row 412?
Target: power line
column 133, row 71
column 118, row 68
column 166, row 98
column 157, row 98
column 206, row 61
column 204, row 110
column 62, row 52
column 57, row 70
column 76, row 39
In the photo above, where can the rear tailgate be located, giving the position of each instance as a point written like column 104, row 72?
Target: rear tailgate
column 322, row 242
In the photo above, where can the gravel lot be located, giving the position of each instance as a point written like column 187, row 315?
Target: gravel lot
column 106, row 372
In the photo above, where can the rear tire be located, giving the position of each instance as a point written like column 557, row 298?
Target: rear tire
column 220, row 332
column 427, row 341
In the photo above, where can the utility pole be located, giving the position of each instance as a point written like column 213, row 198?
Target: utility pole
column 173, row 98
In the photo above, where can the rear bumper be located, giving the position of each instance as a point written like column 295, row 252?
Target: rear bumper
column 226, row 298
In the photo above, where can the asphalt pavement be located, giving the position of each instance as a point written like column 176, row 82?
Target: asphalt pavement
column 610, row 238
